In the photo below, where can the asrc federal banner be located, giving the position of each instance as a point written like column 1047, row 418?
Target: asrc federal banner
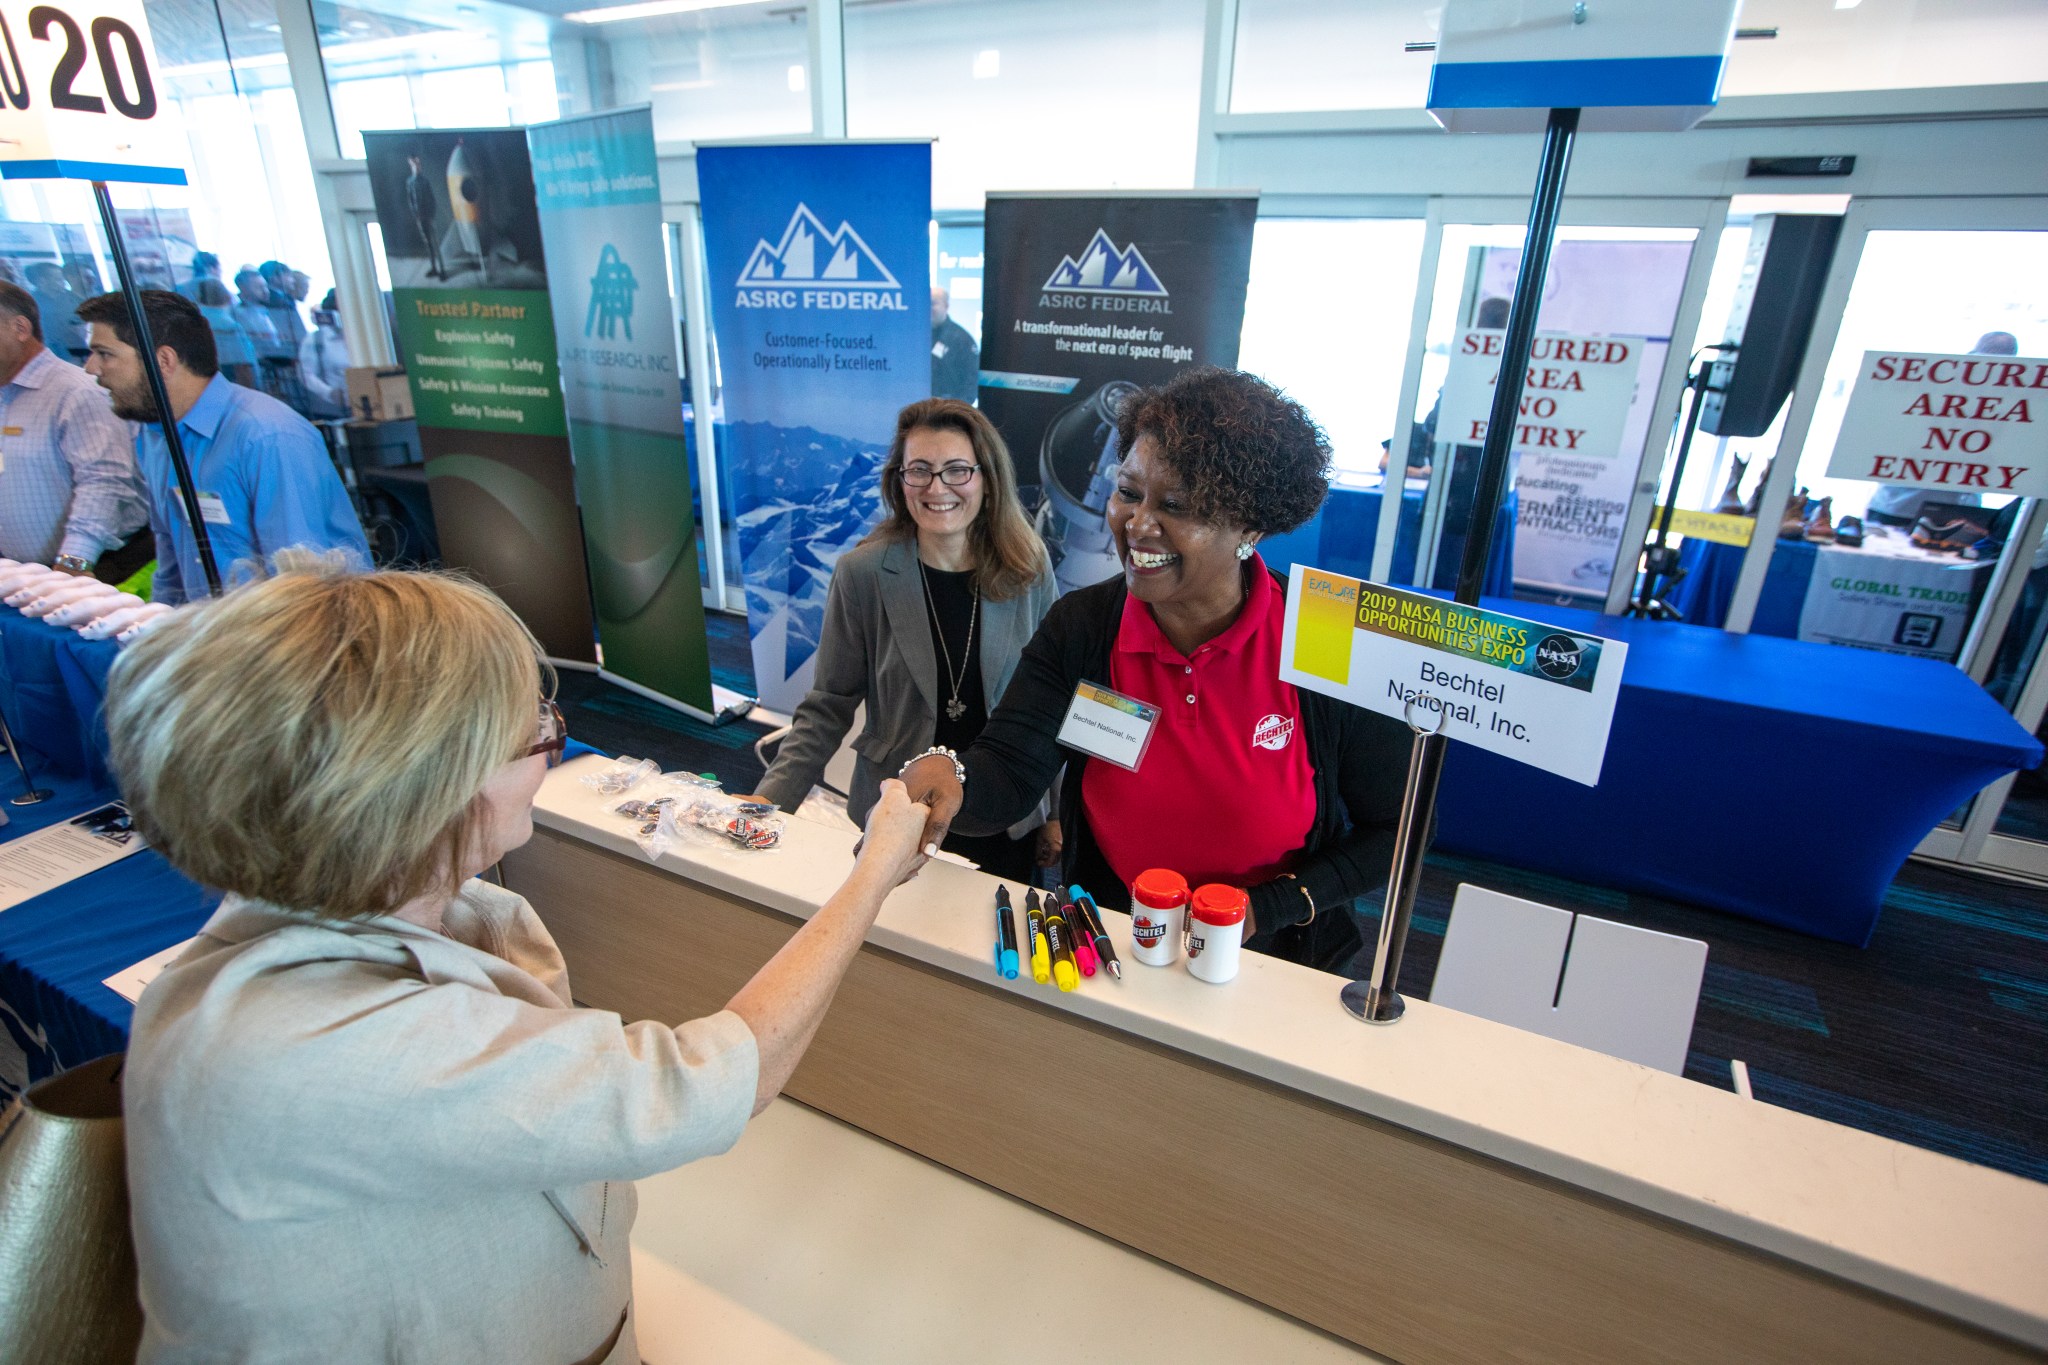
column 819, row 257
column 600, row 218
column 1088, row 298
column 469, row 284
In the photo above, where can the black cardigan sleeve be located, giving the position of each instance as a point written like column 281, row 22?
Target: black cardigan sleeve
column 1018, row 755
column 1362, row 760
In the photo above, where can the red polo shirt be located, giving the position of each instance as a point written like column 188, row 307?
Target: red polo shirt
column 1225, row 792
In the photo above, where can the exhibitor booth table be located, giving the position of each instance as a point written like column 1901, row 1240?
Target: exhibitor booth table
column 1772, row 778
column 1703, row 595
column 1443, row 1188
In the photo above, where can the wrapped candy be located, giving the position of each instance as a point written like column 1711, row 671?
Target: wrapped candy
column 71, row 589
column 144, row 621
column 87, row 610
column 114, row 622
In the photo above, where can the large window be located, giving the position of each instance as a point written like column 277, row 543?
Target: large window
column 473, row 64
column 1031, row 94
column 1326, row 319
column 1331, row 54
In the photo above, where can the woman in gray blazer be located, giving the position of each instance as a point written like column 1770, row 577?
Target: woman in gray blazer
column 925, row 621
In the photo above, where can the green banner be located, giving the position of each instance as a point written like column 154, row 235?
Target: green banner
column 598, row 191
column 482, row 359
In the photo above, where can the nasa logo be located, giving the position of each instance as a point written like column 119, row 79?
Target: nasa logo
column 1557, row 656
column 1273, row 732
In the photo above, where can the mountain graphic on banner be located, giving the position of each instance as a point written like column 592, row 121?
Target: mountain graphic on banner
column 1105, row 268
column 805, row 242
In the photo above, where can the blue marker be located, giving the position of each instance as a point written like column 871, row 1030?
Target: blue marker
column 1006, row 935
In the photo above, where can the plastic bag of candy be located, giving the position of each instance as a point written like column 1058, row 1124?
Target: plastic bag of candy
column 654, row 824
column 752, row 825
column 621, row 776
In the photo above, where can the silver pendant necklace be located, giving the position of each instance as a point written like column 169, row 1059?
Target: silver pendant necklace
column 955, row 708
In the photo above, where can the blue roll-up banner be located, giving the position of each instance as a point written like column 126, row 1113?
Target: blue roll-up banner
column 819, row 258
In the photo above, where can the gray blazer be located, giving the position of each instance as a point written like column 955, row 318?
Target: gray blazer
column 877, row 647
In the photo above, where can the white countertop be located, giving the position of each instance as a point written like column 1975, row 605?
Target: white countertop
column 1962, row 1240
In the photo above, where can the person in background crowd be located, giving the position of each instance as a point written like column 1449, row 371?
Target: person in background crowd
column 252, row 310
column 323, row 362
column 1247, row 780
column 365, row 1118
column 923, row 622
column 62, row 331
column 1893, row 505
column 205, row 267
column 68, row 488
column 232, row 345
column 419, row 200
column 287, row 291
column 956, row 361
column 261, row 472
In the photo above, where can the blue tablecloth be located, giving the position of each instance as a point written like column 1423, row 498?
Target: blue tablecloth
column 51, row 684
column 1341, row 537
column 1776, row 779
column 1703, row 595
column 56, row 949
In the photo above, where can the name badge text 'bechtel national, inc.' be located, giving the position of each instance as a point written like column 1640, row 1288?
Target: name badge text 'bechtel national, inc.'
column 1536, row 693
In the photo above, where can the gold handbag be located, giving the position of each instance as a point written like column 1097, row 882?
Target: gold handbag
column 67, row 1258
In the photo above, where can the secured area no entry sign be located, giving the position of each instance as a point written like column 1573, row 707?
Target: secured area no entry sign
column 80, row 95
column 1969, row 422
column 1575, row 400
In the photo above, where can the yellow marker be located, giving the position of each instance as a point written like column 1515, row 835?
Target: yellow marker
column 1041, row 959
column 1061, row 937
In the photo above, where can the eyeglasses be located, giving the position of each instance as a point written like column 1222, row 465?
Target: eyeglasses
column 554, row 734
column 952, row 475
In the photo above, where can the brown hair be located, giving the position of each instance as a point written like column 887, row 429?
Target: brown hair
column 1247, row 454
column 318, row 740
column 1008, row 555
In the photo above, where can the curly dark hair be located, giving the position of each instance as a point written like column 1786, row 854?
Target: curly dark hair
column 1247, row 453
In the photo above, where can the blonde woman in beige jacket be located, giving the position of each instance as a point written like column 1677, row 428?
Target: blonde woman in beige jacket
column 366, row 1122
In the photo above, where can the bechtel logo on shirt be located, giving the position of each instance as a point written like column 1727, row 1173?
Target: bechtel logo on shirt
column 1273, row 732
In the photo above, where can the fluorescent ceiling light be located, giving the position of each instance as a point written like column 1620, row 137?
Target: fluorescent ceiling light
column 647, row 9
column 1847, row 4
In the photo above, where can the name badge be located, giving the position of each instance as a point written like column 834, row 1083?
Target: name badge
column 10, row 431
column 1109, row 725
column 212, row 510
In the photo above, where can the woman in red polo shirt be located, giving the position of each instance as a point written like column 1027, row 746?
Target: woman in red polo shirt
column 1245, row 780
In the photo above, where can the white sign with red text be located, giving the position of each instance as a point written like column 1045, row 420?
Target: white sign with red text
column 1967, row 422
column 1575, row 400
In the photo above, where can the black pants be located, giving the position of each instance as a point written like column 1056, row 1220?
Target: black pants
column 120, row 563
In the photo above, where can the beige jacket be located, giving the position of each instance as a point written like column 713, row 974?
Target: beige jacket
column 370, row 1142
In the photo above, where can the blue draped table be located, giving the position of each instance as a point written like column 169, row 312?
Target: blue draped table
column 1772, row 778
column 1341, row 537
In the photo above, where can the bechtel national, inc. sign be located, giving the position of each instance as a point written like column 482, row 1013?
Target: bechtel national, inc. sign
column 1946, row 421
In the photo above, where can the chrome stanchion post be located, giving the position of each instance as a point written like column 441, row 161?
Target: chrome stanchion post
column 1377, row 1000
column 30, row 793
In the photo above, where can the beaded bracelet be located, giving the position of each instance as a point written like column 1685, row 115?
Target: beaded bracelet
column 959, row 768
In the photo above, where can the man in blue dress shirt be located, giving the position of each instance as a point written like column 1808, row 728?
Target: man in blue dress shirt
column 264, row 480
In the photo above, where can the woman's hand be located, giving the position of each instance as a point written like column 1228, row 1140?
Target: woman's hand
column 893, row 845
column 1050, row 843
column 931, row 783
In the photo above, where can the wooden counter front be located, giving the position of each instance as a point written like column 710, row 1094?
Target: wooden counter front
column 1405, row 1244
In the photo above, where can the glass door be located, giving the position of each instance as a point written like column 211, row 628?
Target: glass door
column 1617, row 271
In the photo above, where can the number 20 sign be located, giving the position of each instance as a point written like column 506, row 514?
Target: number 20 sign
column 80, row 97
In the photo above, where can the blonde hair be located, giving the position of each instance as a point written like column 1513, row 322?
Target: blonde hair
column 318, row 740
column 1008, row 555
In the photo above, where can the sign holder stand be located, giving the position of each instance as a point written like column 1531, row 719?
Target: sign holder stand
column 1658, row 560
column 145, row 347
column 1377, row 999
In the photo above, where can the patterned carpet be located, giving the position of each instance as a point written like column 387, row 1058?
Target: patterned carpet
column 1936, row 1034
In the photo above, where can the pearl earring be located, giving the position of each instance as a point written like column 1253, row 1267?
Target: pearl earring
column 1244, row 549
